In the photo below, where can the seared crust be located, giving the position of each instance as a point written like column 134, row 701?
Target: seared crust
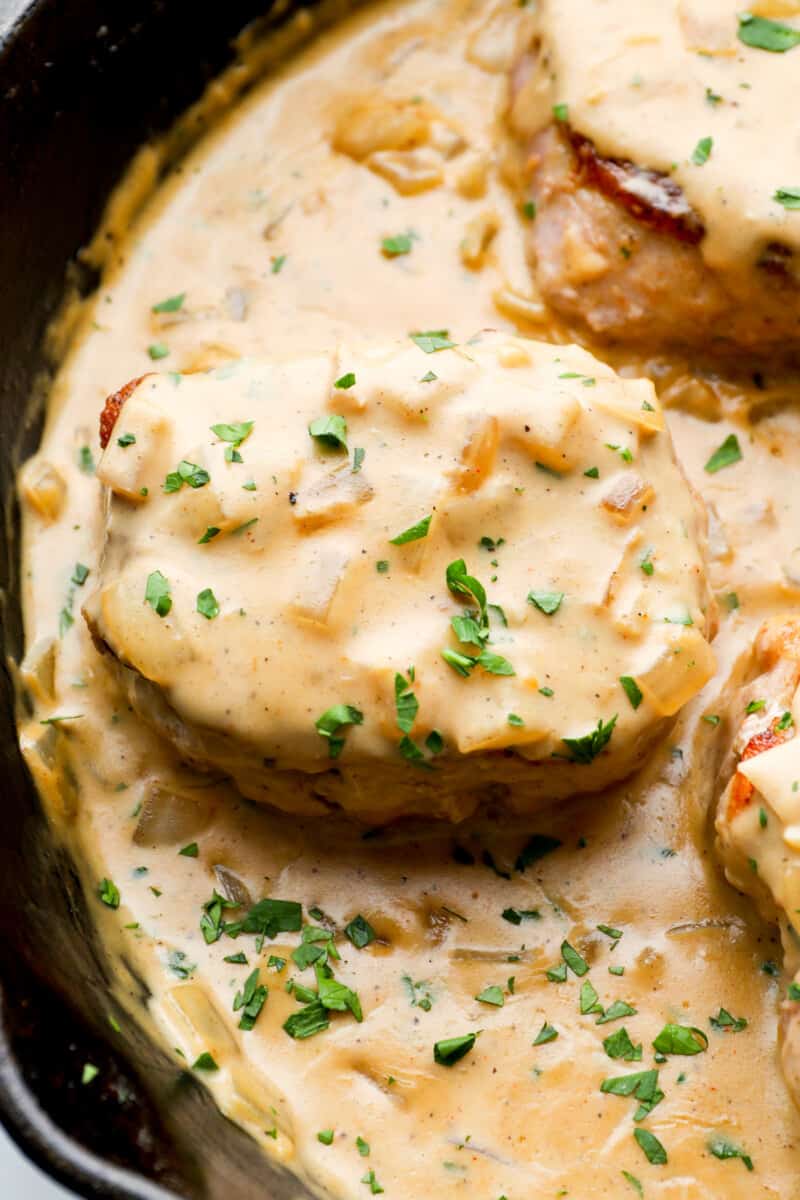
column 652, row 198
column 113, row 407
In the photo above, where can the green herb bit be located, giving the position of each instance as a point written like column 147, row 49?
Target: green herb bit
column 789, row 197
column 492, row 995
column 615, row 1011
column 307, row 1022
column 374, row 1187
column 722, row 1148
column 634, row 1182
column 332, row 721
column 529, row 210
column 190, row 851
column 618, row 1045
column 237, row 960
column 725, row 455
column 205, row 1062
column 127, row 439
column 589, row 1000
column 434, row 742
column 382, row 566
column 761, row 33
column 448, row 1051
column 207, row 604
column 186, row 473
column 586, row 748
column 108, row 893
column 406, row 703
column 432, row 340
column 575, row 961
column 59, row 719
column 681, row 1039
column 646, row 564
column 330, row 431
column 592, row 473
column 702, row 151
column 277, row 264
column 515, row 916
column 724, row 1022
column 325, row 1136
column 158, row 350
column 359, row 455
column 419, row 995
column 250, row 1000
column 514, row 720
column 393, row 247
column 632, row 690
column 546, row 1034
column 413, row 533
column 210, row 533
column 170, row 305
column 653, row 1150
column 712, row 719
column 786, row 722
column 755, row 706
column 89, row 1073
column 360, row 932
column 345, row 381
column 177, row 960
column 546, row 691
column 86, row 461
column 610, row 931
column 557, row 974
column 794, row 991
column 546, row 602
column 561, row 112
column 616, row 970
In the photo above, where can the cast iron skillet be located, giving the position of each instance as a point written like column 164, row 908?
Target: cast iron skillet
column 83, row 84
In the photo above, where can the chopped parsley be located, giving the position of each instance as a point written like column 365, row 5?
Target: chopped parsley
column 761, row 33
column 108, row 893
column 616, row 1010
column 186, row 473
column 724, row 1022
column 432, row 340
column 575, row 961
column 546, row 602
column 85, row 460
column 127, row 439
column 250, row 1000
column 393, row 247
column 310, row 1020
column 333, row 721
column 561, row 112
column 492, row 995
column 448, row 1051
column 325, row 1136
column 631, row 689
column 586, row 748
column 413, row 533
column 358, row 459
column 205, row 1062
column 345, row 381
column 722, row 1148
column 158, row 350
column 755, row 706
column 360, row 932
column 515, row 916
column 680, row 1039
column 330, row 431
column 546, row 1034
column 789, row 197
column 725, row 455
column 514, row 720
column 89, row 1073
column 207, row 604
column 170, row 305
column 210, row 533
column 702, row 151
column 654, row 1152
column 374, row 1187
column 157, row 593
column 190, row 851
column 618, row 1045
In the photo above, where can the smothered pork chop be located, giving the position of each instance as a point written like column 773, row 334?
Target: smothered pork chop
column 665, row 211
column 411, row 579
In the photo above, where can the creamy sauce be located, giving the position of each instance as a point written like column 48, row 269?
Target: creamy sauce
column 275, row 239
column 651, row 82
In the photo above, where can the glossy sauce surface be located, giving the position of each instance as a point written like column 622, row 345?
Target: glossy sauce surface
column 274, row 238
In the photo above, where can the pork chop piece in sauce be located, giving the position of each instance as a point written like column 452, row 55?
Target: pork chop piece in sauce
column 658, row 213
column 404, row 581
column 758, row 814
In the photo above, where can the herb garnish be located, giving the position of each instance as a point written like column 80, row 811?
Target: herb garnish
column 332, row 721
column 127, row 439
column 722, row 1148
column 702, row 151
column 345, row 381
column 546, row 602
column 413, row 533
column 492, row 995
column 432, row 340
column 761, row 33
column 360, row 932
column 157, row 593
column 330, row 431
column 234, row 434
column 186, row 473
column 681, row 1039
column 393, row 247
column 725, row 1023
column 108, row 893
column 207, row 604
column 649, row 1143
column 546, row 1034
column 586, row 748
column 789, row 197
column 205, row 1062
column 631, row 689
column 171, row 304
column 725, row 455
column 448, row 1051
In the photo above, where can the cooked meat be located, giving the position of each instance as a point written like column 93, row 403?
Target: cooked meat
column 499, row 597
column 646, row 231
column 758, row 816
